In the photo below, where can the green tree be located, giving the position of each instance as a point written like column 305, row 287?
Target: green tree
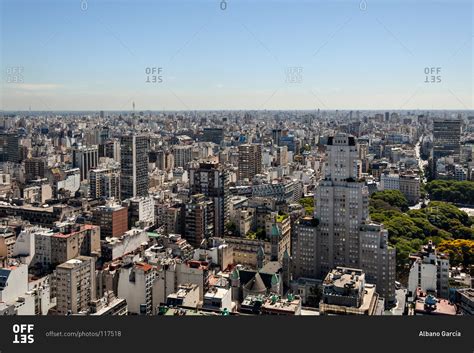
column 393, row 197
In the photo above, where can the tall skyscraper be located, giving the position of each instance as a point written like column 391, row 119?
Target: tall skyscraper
column 9, row 147
column 446, row 139
column 212, row 180
column 250, row 161
column 276, row 136
column 346, row 237
column 134, row 166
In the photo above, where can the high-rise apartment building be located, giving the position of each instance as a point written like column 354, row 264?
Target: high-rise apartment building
column 35, row 168
column 75, row 285
column 141, row 211
column 182, row 155
column 212, row 180
column 104, row 183
column 377, row 258
column 85, row 158
column 304, row 248
column 134, row 166
column 199, row 220
column 250, row 161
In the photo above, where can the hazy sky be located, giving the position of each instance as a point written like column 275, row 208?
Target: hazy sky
column 94, row 54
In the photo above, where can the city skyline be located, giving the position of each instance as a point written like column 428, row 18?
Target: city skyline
column 274, row 55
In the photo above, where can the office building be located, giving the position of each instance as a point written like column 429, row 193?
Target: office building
column 134, row 166
column 215, row 135
column 276, row 136
column 446, row 140
column 9, row 147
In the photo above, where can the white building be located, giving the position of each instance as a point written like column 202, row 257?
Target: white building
column 71, row 181
column 18, row 296
column 389, row 181
column 135, row 286
column 115, row 247
column 218, row 299
column 141, row 211
column 429, row 272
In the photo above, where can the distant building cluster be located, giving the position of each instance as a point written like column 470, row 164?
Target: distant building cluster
column 221, row 213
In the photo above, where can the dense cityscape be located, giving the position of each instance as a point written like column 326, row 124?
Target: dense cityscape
column 255, row 212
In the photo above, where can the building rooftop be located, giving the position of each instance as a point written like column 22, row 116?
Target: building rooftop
column 216, row 293
column 427, row 304
column 290, row 305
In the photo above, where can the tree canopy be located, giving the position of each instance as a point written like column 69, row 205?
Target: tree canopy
column 441, row 222
column 461, row 192
column 394, row 198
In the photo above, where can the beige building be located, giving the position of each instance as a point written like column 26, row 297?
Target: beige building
column 246, row 251
column 244, row 220
column 7, row 242
column 410, row 187
column 75, row 285
column 278, row 230
column 74, row 240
